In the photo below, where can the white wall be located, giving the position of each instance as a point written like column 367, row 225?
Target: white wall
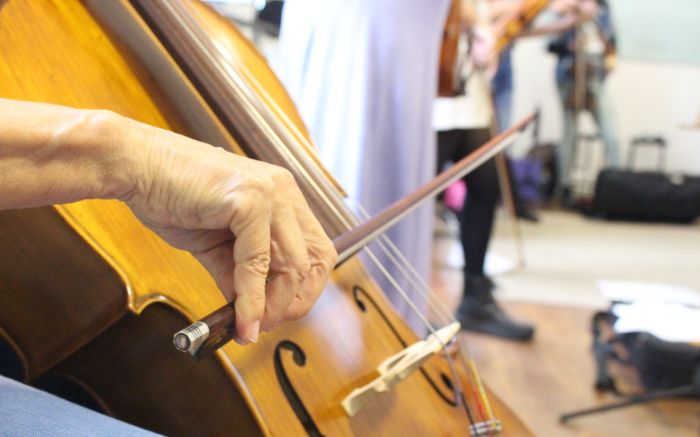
column 649, row 97
column 660, row 97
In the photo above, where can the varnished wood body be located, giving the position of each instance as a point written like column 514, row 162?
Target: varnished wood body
column 351, row 276
column 55, row 51
column 518, row 22
column 449, row 77
column 71, row 275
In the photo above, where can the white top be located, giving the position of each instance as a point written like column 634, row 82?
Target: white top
column 473, row 110
column 594, row 44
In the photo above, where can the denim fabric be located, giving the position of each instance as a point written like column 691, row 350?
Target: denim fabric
column 604, row 116
column 563, row 45
column 28, row 412
column 502, row 87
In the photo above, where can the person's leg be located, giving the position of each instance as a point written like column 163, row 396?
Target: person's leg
column 605, row 118
column 502, row 90
column 26, row 411
column 566, row 145
column 478, row 310
column 476, row 218
column 446, row 143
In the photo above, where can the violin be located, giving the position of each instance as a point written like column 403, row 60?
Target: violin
column 90, row 298
column 450, row 81
column 512, row 27
column 452, row 55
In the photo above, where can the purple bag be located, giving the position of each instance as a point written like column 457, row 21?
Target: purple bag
column 527, row 175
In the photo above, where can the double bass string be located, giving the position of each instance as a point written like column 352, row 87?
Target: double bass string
column 404, row 296
column 457, row 387
column 420, row 285
column 261, row 94
column 439, row 306
column 414, row 278
column 458, row 390
column 294, row 133
column 439, row 182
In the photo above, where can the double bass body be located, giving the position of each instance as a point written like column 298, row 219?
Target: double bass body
column 89, row 298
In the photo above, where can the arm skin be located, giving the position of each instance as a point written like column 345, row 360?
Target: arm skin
column 476, row 17
column 571, row 13
column 242, row 219
column 502, row 10
column 562, row 25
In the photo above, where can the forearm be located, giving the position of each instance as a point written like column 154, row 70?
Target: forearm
column 566, row 23
column 499, row 9
column 51, row 154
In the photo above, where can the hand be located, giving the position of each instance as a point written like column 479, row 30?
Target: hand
column 482, row 51
column 588, row 9
column 563, row 7
column 246, row 221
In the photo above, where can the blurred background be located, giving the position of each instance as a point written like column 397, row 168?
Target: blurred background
column 608, row 239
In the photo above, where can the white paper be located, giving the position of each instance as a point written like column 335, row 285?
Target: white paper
column 668, row 321
column 630, row 291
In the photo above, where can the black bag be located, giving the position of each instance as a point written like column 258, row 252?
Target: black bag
column 647, row 196
column 659, row 364
column 664, row 369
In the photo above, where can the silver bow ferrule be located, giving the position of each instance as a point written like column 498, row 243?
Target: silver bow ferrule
column 191, row 338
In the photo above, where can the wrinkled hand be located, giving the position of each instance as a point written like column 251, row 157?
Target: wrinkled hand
column 246, row 221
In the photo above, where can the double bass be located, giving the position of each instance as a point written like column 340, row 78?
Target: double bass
column 89, row 298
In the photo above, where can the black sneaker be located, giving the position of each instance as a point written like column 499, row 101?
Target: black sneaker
column 479, row 312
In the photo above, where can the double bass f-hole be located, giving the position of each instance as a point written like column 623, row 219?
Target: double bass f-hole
column 363, row 300
column 288, row 389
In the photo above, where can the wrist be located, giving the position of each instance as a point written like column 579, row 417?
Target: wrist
column 120, row 158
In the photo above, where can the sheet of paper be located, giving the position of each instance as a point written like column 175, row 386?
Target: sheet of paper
column 630, row 291
column 667, row 321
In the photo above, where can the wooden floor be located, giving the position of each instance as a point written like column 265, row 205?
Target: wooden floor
column 555, row 374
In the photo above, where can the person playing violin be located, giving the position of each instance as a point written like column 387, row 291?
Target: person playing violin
column 463, row 122
column 593, row 40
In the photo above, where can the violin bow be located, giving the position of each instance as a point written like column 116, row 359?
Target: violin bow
column 205, row 336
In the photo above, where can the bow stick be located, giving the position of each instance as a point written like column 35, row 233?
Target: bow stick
column 218, row 328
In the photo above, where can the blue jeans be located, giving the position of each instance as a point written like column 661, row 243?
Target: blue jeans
column 603, row 114
column 502, row 90
column 28, row 412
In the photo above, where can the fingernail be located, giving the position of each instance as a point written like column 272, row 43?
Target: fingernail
column 254, row 331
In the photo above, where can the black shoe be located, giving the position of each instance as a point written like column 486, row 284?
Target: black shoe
column 480, row 312
column 527, row 215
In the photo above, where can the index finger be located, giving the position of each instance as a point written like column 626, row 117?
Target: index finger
column 251, row 257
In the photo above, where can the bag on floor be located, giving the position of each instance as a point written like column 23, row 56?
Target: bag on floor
column 647, row 196
column 657, row 364
column 527, row 179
